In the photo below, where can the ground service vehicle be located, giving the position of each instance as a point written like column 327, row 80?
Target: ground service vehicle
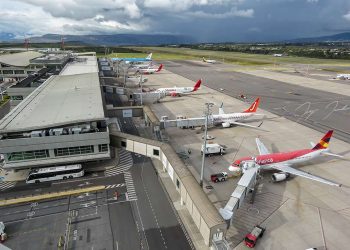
column 219, row 177
column 251, row 238
column 3, row 235
column 55, row 173
column 212, row 149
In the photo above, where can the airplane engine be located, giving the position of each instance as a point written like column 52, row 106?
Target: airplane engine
column 277, row 177
column 173, row 94
column 225, row 124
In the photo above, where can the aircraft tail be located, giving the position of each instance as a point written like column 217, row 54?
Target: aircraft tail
column 198, row 84
column 221, row 109
column 204, row 59
column 160, row 68
column 253, row 107
column 324, row 142
column 149, row 57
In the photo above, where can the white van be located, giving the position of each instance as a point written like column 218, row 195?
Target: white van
column 213, row 148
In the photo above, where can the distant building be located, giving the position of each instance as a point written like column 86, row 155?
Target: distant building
column 15, row 67
column 23, row 88
column 61, row 122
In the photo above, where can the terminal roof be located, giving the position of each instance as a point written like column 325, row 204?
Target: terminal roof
column 19, row 59
column 81, row 65
column 61, row 100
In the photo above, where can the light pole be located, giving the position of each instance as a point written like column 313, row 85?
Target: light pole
column 141, row 86
column 209, row 105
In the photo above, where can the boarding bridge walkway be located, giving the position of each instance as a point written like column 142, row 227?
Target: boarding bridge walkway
column 245, row 185
column 185, row 122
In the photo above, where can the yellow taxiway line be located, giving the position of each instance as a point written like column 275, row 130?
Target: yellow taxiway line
column 50, row 195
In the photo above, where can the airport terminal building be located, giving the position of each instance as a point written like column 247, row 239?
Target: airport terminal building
column 61, row 122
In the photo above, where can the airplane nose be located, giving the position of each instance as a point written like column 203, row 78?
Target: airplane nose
column 231, row 168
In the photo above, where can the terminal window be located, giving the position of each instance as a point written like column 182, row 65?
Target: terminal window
column 17, row 97
column 74, row 150
column 156, row 152
column 103, row 148
column 28, row 155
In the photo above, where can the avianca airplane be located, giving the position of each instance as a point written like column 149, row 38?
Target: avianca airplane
column 226, row 120
column 149, row 70
column 283, row 161
column 177, row 91
column 135, row 59
column 208, row 61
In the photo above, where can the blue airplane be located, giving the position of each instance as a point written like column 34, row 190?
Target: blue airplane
column 128, row 60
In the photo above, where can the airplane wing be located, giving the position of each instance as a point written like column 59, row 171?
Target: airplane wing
column 293, row 171
column 247, row 125
column 261, row 147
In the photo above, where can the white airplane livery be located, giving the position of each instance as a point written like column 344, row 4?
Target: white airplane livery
column 226, row 120
column 178, row 91
column 208, row 61
column 149, row 70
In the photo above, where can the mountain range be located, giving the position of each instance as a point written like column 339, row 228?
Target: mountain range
column 108, row 40
column 341, row 37
column 146, row 39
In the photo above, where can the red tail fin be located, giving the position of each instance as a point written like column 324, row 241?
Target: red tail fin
column 323, row 144
column 160, row 68
column 198, row 84
column 253, row 107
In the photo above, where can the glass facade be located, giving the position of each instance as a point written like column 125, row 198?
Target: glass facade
column 28, row 155
column 103, row 148
column 74, row 150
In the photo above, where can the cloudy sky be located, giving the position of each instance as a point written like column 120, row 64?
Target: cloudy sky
column 205, row 20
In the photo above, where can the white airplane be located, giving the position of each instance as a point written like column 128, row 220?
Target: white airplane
column 150, row 70
column 284, row 160
column 226, row 120
column 142, row 65
column 209, row 61
column 343, row 76
column 178, row 91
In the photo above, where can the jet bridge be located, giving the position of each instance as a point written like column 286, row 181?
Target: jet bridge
column 185, row 122
column 245, row 184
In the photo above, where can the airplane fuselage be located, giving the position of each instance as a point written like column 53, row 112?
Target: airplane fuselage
column 176, row 90
column 233, row 117
column 288, row 158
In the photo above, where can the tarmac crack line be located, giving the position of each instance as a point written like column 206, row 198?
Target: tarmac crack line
column 322, row 231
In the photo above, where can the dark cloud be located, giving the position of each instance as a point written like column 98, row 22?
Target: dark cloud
column 205, row 20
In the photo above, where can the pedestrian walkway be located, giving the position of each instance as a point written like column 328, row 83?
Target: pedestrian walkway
column 115, row 186
column 125, row 163
column 130, row 186
column 6, row 185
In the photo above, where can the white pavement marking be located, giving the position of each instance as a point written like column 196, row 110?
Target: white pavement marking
column 125, row 163
column 6, row 185
column 130, row 187
column 115, row 186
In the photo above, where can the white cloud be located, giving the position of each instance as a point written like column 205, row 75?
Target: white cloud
column 181, row 5
column 234, row 12
column 39, row 17
column 347, row 16
column 22, row 18
column 312, row 1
